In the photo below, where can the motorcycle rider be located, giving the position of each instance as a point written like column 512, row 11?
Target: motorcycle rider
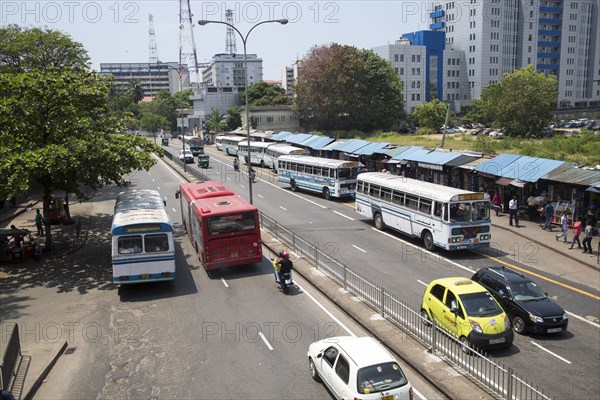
column 283, row 265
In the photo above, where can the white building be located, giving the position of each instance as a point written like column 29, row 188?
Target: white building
column 289, row 76
column 152, row 77
column 227, row 70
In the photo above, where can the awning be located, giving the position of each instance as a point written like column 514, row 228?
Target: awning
column 508, row 181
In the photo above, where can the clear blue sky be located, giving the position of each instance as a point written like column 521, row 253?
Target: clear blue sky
column 117, row 31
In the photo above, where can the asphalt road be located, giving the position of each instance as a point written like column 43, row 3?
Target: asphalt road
column 403, row 267
column 232, row 335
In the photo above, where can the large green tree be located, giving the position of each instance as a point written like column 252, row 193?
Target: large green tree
column 234, row 118
column 55, row 128
column 342, row 88
column 265, row 94
column 522, row 103
column 431, row 114
column 215, row 121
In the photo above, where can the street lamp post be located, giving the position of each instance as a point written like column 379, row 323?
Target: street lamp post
column 244, row 40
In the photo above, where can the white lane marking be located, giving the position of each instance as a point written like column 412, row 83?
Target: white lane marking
column 549, row 352
column 259, row 195
column 228, row 178
column 265, row 340
column 224, row 282
column 337, row 321
column 294, row 194
column 469, row 269
column 174, row 210
column 283, row 208
column 422, row 283
column 358, row 248
column 158, row 187
column 345, row 216
column 171, row 170
column 579, row 317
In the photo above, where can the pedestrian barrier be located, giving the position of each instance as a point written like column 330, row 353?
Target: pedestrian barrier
column 10, row 359
column 498, row 378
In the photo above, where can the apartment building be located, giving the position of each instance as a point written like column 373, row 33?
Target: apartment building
column 227, row 70
column 152, row 77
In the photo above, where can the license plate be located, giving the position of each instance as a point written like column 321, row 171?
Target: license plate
column 554, row 330
column 390, row 397
column 496, row 341
column 145, row 276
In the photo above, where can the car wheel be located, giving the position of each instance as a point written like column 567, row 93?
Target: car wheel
column 518, row 325
column 313, row 370
column 426, row 319
column 379, row 222
column 465, row 345
column 326, row 194
column 428, row 240
column 293, row 185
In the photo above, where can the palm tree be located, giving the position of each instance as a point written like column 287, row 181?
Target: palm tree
column 214, row 121
column 135, row 90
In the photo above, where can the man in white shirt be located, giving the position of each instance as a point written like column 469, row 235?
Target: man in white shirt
column 564, row 226
column 513, row 208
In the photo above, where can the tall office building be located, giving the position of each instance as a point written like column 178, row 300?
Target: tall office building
column 227, row 70
column 289, row 75
column 152, row 76
column 559, row 37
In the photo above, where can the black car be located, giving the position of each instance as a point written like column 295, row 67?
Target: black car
column 525, row 303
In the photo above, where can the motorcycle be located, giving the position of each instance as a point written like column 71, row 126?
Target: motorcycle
column 283, row 280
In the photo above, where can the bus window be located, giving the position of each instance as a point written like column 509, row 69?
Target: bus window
column 156, row 243
column 130, row 244
column 481, row 211
column 425, row 206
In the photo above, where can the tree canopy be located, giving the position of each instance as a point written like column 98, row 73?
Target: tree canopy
column 55, row 128
column 265, row 94
column 522, row 103
column 431, row 114
column 343, row 88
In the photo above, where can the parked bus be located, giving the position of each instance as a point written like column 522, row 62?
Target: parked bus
column 331, row 178
column 219, row 142
column 441, row 216
column 230, row 144
column 223, row 227
column 195, row 144
column 143, row 249
column 257, row 151
column 280, row 149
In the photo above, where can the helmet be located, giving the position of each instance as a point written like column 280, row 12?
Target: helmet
column 284, row 254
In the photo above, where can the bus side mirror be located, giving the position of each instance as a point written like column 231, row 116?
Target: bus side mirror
column 177, row 194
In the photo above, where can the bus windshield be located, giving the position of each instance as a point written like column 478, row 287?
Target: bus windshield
column 476, row 211
column 231, row 223
column 349, row 173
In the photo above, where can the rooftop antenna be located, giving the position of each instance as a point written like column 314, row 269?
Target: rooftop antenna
column 152, row 41
column 187, row 45
column 230, row 47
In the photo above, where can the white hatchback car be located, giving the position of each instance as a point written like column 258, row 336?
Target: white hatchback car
column 186, row 156
column 358, row 368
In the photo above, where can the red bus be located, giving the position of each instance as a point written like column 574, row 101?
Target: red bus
column 223, row 227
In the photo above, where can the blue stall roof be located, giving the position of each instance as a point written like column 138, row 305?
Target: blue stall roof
column 317, row 142
column 352, row 145
column 371, row 148
column 279, row 136
column 334, row 145
column 407, row 152
column 431, row 156
column 497, row 165
column 391, row 152
column 297, row 138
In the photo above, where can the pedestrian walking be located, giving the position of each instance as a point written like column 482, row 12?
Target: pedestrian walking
column 577, row 227
column 587, row 240
column 548, row 212
column 496, row 203
column 513, row 209
column 39, row 222
column 236, row 164
column 564, row 226
column 532, row 208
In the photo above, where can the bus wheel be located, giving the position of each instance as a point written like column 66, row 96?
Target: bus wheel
column 428, row 240
column 379, row 222
column 293, row 185
column 326, row 194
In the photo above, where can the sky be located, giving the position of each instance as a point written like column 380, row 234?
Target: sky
column 117, row 31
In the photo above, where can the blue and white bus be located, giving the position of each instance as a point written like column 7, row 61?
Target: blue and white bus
column 230, row 144
column 275, row 150
column 441, row 216
column 143, row 249
column 257, row 151
column 331, row 178
column 219, row 142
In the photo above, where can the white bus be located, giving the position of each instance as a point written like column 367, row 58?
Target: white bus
column 331, row 178
column 280, row 149
column 230, row 144
column 219, row 142
column 441, row 216
column 142, row 243
column 194, row 143
column 257, row 151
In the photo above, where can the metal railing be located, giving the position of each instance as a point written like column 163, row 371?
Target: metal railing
column 10, row 359
column 498, row 378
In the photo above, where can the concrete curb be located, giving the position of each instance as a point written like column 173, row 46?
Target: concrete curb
column 38, row 382
column 567, row 255
column 22, row 209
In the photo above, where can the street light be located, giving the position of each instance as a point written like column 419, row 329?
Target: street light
column 244, row 39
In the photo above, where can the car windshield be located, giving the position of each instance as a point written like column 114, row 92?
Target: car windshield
column 526, row 291
column 480, row 304
column 378, row 377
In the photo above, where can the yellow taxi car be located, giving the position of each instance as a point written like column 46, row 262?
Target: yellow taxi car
column 467, row 311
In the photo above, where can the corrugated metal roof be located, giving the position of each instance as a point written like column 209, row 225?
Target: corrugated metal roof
column 371, row 148
column 431, row 156
column 279, row 136
column 394, row 150
column 530, row 169
column 352, row 145
column 497, row 165
column 461, row 160
column 473, row 164
column 569, row 174
column 334, row 145
column 407, row 152
column 317, row 142
column 297, row 138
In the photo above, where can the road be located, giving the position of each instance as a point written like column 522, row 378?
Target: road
column 229, row 336
column 403, row 267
